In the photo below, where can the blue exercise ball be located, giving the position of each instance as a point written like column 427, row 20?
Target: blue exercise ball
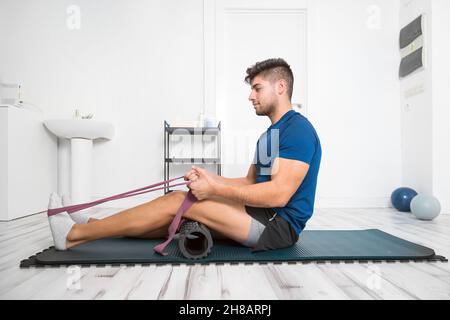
column 425, row 207
column 401, row 199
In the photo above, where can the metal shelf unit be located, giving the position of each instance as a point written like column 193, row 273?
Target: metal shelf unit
column 192, row 131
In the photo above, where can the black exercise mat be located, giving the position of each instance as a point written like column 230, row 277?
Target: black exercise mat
column 313, row 246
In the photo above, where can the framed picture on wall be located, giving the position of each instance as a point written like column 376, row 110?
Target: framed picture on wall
column 412, row 47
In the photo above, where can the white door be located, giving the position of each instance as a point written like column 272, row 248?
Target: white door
column 242, row 33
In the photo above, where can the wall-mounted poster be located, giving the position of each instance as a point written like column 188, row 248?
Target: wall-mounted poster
column 411, row 47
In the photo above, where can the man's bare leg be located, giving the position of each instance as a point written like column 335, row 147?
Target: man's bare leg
column 152, row 219
column 134, row 222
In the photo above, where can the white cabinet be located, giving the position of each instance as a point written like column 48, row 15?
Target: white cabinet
column 28, row 163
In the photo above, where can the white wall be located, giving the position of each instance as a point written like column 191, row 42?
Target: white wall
column 441, row 102
column 3, row 162
column 417, row 109
column 425, row 115
column 134, row 64
column 355, row 102
column 138, row 64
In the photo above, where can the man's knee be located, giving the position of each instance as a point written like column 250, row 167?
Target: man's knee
column 198, row 212
column 177, row 195
column 175, row 199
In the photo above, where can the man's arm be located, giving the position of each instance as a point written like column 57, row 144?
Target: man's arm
column 245, row 181
column 287, row 176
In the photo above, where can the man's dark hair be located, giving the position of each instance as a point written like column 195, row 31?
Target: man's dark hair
column 272, row 70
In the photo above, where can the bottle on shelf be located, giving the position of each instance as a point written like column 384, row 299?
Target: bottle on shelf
column 201, row 120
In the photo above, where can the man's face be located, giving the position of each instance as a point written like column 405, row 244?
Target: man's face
column 263, row 96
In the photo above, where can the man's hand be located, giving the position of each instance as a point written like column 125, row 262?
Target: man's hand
column 191, row 176
column 202, row 183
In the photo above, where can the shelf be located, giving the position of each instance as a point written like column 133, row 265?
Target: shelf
column 193, row 160
column 214, row 131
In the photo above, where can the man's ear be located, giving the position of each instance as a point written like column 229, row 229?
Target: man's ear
column 281, row 86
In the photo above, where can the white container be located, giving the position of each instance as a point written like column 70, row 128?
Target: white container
column 201, row 120
column 28, row 163
column 210, row 122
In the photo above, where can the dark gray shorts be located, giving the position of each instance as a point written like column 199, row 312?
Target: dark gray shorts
column 277, row 233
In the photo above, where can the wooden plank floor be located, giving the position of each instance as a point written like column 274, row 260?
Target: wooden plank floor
column 22, row 238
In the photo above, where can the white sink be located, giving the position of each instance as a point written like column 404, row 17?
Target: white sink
column 80, row 128
column 75, row 154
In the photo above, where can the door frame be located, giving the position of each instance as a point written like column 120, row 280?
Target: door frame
column 213, row 29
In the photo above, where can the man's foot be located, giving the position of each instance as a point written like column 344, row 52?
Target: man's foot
column 79, row 217
column 60, row 224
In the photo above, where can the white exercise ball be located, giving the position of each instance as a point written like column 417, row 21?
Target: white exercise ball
column 425, row 207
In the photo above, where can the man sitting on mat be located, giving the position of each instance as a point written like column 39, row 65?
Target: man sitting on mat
column 267, row 209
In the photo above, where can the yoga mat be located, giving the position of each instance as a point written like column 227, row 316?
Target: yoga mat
column 313, row 246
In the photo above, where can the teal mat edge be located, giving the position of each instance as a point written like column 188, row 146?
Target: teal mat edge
column 32, row 261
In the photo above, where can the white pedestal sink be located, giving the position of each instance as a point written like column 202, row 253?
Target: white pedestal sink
column 81, row 133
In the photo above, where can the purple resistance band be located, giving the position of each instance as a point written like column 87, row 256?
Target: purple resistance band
column 187, row 203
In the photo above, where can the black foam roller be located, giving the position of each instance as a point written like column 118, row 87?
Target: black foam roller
column 195, row 241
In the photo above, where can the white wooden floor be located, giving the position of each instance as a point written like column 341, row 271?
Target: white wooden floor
column 22, row 238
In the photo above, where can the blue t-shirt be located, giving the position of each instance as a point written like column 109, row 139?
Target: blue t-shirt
column 292, row 137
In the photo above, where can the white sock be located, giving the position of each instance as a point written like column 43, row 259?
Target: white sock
column 79, row 217
column 60, row 224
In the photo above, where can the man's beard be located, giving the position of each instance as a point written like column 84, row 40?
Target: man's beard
column 267, row 110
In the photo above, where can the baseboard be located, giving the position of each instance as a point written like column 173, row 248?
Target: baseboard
column 326, row 202
column 321, row 202
column 353, row 202
column 128, row 202
column 369, row 202
column 445, row 206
